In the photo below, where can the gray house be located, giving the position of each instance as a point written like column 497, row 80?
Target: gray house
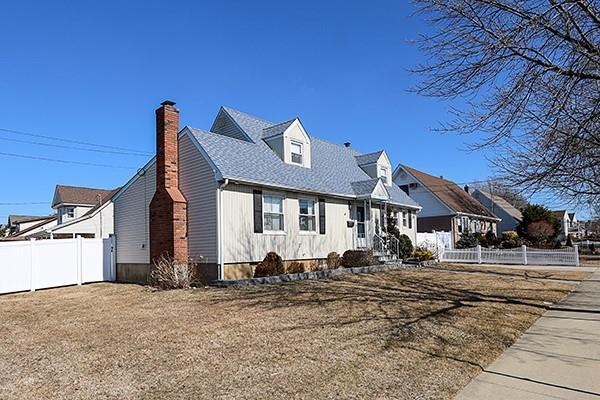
column 509, row 215
column 247, row 186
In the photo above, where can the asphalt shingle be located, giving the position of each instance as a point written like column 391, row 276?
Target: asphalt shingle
column 333, row 171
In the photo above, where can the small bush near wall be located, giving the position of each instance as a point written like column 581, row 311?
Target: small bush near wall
column 170, row 274
column 295, row 267
column 334, row 260
column 272, row 265
column 358, row 258
column 406, row 246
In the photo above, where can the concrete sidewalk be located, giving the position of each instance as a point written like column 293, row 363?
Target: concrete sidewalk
column 557, row 358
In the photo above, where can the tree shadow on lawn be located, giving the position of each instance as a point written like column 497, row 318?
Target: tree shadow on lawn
column 452, row 316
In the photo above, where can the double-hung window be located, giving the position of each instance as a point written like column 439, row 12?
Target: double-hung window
column 308, row 216
column 70, row 212
column 273, row 213
column 404, row 219
column 296, row 152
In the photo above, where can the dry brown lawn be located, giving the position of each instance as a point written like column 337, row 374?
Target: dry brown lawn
column 406, row 334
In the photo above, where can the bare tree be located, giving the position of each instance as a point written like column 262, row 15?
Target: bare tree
column 529, row 74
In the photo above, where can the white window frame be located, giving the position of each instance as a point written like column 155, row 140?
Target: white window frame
column 70, row 212
column 383, row 173
column 274, row 232
column 315, row 215
column 404, row 218
column 301, row 145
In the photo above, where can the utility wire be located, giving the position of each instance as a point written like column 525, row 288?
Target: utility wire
column 74, row 147
column 25, row 204
column 74, row 141
column 64, row 161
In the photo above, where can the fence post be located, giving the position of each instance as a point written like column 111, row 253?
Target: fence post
column 79, row 246
column 576, row 249
column 524, row 250
column 31, row 265
column 479, row 253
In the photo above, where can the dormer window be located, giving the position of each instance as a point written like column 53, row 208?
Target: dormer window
column 296, row 149
column 383, row 173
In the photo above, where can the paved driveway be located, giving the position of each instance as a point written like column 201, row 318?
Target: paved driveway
column 557, row 358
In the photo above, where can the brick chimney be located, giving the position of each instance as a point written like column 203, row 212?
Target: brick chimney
column 168, row 208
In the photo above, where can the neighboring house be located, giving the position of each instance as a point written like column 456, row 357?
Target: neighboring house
column 32, row 229
column 19, row 223
column 565, row 222
column 576, row 228
column 71, row 202
column 227, row 196
column 76, row 216
column 568, row 225
column 509, row 216
column 446, row 207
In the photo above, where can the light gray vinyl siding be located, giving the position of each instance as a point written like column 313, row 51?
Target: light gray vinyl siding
column 198, row 185
column 225, row 126
column 131, row 210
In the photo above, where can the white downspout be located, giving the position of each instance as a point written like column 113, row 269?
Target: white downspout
column 220, row 228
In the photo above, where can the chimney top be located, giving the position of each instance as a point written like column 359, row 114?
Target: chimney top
column 467, row 188
column 347, row 144
column 441, row 176
column 167, row 103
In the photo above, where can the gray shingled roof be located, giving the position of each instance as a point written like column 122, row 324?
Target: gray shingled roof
column 333, row 171
column 363, row 188
column 369, row 158
column 277, row 129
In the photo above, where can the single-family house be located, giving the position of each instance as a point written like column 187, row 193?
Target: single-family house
column 569, row 225
column 227, row 196
column 509, row 215
column 82, row 211
column 29, row 226
column 446, row 207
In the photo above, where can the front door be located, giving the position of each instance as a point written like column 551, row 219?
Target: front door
column 361, row 233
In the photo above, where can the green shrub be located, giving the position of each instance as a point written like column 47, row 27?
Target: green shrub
column 272, row 265
column 423, row 255
column 358, row 258
column 295, row 267
column 510, row 240
column 467, row 241
column 333, row 260
column 406, row 246
column 488, row 240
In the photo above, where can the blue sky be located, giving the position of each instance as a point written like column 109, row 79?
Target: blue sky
column 95, row 72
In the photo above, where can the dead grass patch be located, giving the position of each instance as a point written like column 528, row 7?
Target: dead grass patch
column 402, row 334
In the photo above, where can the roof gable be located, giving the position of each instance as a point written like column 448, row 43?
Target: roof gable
column 501, row 203
column 449, row 193
column 79, row 195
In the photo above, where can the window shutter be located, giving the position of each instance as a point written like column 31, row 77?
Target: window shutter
column 258, row 219
column 322, row 226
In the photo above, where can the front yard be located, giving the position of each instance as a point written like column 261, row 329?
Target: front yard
column 406, row 334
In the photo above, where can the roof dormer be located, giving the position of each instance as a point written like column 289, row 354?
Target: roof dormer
column 290, row 142
column 376, row 165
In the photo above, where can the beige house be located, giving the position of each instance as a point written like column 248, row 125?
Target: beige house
column 247, row 187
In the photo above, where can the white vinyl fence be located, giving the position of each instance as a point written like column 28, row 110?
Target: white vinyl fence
column 40, row 264
column 436, row 242
column 522, row 255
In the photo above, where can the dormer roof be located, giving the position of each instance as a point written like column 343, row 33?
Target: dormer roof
column 369, row 158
